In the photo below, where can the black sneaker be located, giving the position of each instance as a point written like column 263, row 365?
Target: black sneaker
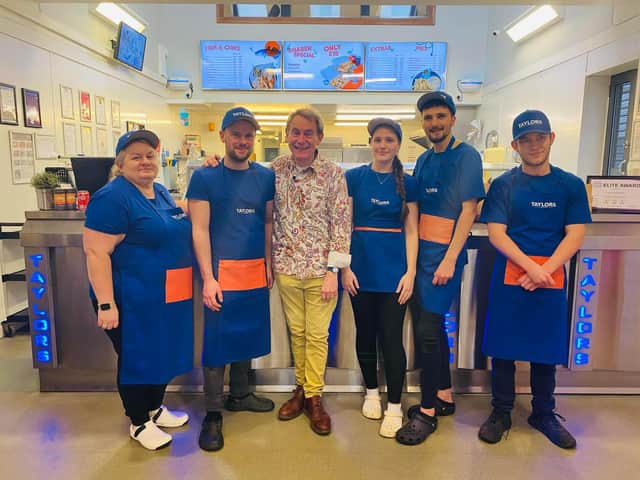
column 249, row 403
column 550, row 426
column 211, row 438
column 494, row 427
column 442, row 408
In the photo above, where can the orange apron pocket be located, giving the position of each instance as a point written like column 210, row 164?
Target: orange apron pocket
column 178, row 285
column 435, row 229
column 513, row 272
column 242, row 274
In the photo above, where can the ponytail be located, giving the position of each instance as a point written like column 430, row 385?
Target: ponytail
column 398, row 176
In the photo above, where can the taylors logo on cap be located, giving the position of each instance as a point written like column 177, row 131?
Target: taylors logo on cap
column 530, row 121
column 236, row 114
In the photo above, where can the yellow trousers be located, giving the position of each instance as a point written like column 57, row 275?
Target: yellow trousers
column 308, row 318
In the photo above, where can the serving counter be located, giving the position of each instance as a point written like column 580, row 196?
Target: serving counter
column 72, row 353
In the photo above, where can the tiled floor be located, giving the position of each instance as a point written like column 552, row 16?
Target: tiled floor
column 84, row 436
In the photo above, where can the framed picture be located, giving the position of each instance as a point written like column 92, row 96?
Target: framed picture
column 69, row 138
column 85, row 106
column 115, row 136
column 66, row 102
column 23, row 155
column 31, row 108
column 134, row 126
column 115, row 114
column 86, row 140
column 101, row 111
column 102, row 142
column 8, row 105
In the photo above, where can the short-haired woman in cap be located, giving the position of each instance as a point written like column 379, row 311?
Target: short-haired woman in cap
column 384, row 249
column 139, row 261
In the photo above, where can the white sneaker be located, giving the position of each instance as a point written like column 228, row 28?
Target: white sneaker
column 371, row 407
column 150, row 436
column 390, row 425
column 163, row 417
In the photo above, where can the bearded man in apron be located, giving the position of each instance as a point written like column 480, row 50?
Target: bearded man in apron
column 536, row 215
column 232, row 211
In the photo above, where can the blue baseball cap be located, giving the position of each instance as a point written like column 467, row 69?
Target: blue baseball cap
column 530, row 121
column 128, row 138
column 436, row 98
column 236, row 114
column 378, row 122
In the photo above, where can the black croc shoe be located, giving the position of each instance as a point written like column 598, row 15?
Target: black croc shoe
column 249, row 403
column 494, row 428
column 443, row 409
column 417, row 429
column 211, row 438
column 550, row 426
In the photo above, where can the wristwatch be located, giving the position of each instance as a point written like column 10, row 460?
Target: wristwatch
column 332, row 269
column 105, row 306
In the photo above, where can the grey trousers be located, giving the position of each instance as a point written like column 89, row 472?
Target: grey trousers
column 214, row 383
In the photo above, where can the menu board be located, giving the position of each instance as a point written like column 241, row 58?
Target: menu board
column 240, row 65
column 405, row 67
column 323, row 66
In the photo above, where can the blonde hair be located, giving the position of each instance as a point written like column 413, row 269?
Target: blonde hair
column 311, row 115
column 116, row 169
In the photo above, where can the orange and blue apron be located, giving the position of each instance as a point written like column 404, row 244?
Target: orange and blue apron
column 237, row 198
column 378, row 247
column 523, row 325
column 152, row 281
column 445, row 181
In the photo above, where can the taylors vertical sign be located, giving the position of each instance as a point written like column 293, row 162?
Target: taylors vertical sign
column 585, row 306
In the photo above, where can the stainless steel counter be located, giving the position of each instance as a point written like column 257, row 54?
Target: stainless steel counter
column 72, row 353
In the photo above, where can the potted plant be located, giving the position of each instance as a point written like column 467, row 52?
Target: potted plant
column 44, row 183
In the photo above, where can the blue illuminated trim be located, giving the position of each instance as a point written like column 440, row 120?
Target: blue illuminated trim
column 581, row 358
column 450, row 340
column 450, row 326
column 584, row 327
column 588, row 280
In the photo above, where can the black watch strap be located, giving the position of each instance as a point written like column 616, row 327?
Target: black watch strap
column 105, row 306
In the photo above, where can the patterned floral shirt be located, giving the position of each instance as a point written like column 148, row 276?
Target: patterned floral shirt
column 312, row 216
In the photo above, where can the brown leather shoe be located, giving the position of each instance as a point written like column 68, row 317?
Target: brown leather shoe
column 318, row 416
column 294, row 406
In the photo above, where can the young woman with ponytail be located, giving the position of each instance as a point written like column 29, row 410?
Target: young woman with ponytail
column 384, row 249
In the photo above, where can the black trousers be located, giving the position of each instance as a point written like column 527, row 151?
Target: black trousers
column 432, row 353
column 543, row 384
column 137, row 399
column 379, row 320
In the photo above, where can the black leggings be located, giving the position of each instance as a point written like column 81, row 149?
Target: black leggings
column 379, row 318
column 432, row 353
column 138, row 399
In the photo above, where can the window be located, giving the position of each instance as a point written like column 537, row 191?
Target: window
column 324, row 11
column 621, row 100
column 249, row 10
column 397, row 11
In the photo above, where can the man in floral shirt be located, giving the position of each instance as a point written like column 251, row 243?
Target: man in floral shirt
column 312, row 230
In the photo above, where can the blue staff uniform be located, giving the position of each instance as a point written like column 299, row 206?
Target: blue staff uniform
column 378, row 248
column 445, row 181
column 524, row 325
column 152, row 279
column 237, row 201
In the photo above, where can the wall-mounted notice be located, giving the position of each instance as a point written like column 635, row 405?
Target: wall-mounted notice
column 617, row 194
column 238, row 65
column 406, row 67
column 323, row 66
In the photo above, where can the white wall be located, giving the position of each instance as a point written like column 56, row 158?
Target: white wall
column 35, row 57
column 555, row 71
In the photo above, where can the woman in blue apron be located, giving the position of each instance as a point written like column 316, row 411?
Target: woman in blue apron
column 531, row 211
column 232, row 208
column 450, row 184
column 384, row 248
column 139, row 261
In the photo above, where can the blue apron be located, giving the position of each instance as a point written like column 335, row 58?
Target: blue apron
column 242, row 328
column 378, row 247
column 523, row 325
column 445, row 180
column 153, row 291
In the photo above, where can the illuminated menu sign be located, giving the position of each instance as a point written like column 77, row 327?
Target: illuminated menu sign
column 239, row 65
column 405, row 67
column 330, row 66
